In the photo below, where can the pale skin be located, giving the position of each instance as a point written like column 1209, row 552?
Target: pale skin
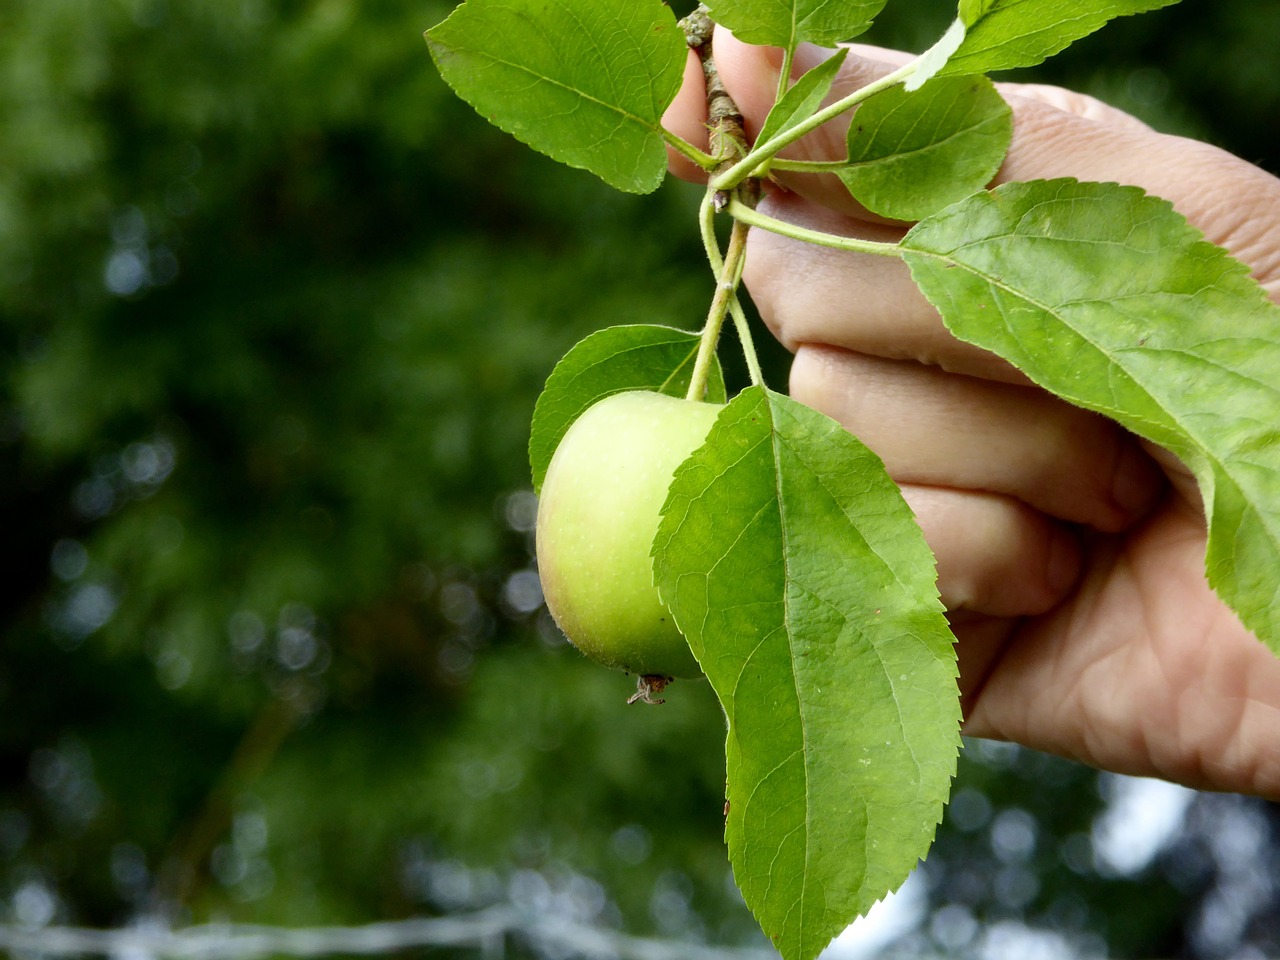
column 1070, row 554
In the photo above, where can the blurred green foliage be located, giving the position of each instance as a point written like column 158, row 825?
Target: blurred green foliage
column 274, row 310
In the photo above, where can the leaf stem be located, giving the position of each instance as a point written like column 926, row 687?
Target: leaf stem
column 784, row 77
column 728, row 271
column 687, row 149
column 743, row 213
column 706, row 220
column 808, row 166
column 743, row 327
column 707, row 227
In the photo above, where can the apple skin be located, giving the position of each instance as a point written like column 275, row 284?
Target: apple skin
column 598, row 513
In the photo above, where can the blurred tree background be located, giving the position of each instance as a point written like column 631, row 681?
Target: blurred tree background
column 275, row 308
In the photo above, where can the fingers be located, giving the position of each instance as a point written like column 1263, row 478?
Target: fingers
column 869, row 304
column 1070, row 640
column 1143, row 671
column 932, row 428
column 981, row 465
column 995, row 556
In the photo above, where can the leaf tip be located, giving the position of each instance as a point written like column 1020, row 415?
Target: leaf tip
column 936, row 57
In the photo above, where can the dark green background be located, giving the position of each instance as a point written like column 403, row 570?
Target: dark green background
column 274, row 310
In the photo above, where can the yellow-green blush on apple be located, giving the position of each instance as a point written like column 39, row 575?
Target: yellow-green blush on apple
column 598, row 512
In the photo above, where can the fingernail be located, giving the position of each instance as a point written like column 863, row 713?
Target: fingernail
column 772, row 56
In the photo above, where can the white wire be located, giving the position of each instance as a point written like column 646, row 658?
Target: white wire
column 485, row 930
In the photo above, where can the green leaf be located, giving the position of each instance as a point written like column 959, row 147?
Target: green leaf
column 1004, row 34
column 803, row 98
column 911, row 154
column 609, row 361
column 584, row 81
column 785, row 23
column 805, row 588
column 1110, row 299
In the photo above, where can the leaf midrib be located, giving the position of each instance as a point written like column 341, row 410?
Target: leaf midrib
column 1217, row 464
column 591, row 98
column 892, row 158
column 776, row 444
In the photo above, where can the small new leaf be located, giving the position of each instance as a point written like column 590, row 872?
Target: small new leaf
column 1004, row 34
column 1109, row 298
column 785, row 23
column 609, row 361
column 911, row 154
column 806, row 591
column 803, row 98
column 584, row 81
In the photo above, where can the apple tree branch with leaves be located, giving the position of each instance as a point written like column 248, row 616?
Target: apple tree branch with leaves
column 752, row 539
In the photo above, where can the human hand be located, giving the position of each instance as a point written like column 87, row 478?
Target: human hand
column 1070, row 554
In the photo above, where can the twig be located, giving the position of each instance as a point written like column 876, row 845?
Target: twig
column 725, row 124
column 179, row 873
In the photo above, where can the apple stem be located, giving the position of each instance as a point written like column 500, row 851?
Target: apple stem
column 784, row 74
column 743, row 327
column 728, row 271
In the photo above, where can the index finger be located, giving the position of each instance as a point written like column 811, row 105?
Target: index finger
column 870, row 304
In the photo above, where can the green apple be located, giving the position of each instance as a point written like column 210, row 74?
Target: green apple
column 597, row 516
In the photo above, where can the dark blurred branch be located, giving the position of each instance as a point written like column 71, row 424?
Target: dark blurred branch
column 180, row 867
column 485, row 930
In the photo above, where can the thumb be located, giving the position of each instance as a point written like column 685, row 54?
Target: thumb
column 1057, row 132
column 750, row 74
